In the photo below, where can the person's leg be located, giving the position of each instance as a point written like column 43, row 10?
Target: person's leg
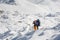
column 35, row 27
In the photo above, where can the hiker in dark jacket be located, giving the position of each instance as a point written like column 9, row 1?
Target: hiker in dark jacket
column 36, row 23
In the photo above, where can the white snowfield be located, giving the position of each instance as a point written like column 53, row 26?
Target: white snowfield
column 16, row 21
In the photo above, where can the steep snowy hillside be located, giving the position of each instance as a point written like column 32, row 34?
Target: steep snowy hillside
column 17, row 16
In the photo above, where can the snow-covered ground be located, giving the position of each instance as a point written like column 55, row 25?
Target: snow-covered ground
column 17, row 16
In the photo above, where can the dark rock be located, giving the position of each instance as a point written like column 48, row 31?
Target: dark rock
column 4, row 16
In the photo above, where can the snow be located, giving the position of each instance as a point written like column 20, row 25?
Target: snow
column 17, row 16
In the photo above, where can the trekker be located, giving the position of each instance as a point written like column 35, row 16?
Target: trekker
column 36, row 24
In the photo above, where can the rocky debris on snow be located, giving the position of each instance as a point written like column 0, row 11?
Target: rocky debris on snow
column 12, row 2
